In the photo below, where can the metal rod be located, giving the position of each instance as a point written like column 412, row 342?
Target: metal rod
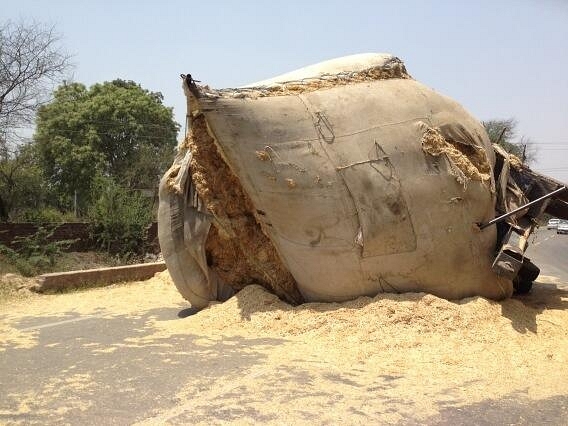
column 512, row 212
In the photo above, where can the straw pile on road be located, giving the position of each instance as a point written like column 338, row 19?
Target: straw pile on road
column 439, row 351
column 392, row 356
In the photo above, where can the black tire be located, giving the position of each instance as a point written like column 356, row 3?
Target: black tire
column 529, row 271
column 522, row 287
column 523, row 282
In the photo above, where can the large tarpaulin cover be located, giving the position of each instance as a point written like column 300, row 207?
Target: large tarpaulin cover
column 364, row 183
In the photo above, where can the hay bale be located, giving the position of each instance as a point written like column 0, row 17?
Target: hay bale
column 340, row 180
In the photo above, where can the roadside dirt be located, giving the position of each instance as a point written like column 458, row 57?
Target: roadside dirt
column 15, row 287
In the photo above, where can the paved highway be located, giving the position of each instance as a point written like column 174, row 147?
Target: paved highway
column 104, row 369
column 549, row 251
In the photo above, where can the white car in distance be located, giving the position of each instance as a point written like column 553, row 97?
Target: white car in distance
column 562, row 227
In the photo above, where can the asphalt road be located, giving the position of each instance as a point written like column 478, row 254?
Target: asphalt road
column 69, row 377
column 549, row 251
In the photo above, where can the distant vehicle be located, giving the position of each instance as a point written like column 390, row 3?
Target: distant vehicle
column 562, row 227
column 552, row 223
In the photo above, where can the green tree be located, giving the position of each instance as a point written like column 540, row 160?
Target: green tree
column 115, row 129
column 503, row 132
column 21, row 182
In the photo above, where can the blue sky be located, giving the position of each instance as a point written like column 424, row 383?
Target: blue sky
column 498, row 58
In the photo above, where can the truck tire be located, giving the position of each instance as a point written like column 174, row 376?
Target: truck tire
column 524, row 280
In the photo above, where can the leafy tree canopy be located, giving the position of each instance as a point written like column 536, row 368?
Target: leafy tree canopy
column 115, row 129
column 21, row 183
column 503, row 132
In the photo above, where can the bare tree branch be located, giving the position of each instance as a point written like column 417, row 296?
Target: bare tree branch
column 31, row 63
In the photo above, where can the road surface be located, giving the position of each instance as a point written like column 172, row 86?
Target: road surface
column 101, row 368
column 549, row 251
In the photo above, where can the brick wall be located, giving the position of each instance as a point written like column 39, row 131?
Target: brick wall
column 65, row 231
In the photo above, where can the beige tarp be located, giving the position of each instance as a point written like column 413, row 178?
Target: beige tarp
column 363, row 179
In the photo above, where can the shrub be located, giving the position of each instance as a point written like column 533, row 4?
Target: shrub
column 35, row 253
column 39, row 245
column 8, row 254
column 119, row 219
column 43, row 215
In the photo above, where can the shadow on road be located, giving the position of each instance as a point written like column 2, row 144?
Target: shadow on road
column 523, row 310
column 511, row 410
column 187, row 312
column 119, row 367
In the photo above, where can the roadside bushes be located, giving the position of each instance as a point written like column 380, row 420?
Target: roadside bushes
column 36, row 253
column 44, row 214
column 119, row 219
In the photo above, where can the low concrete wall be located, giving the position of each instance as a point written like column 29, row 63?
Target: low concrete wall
column 91, row 277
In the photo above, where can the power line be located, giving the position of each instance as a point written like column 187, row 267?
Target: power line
column 147, row 124
column 116, row 133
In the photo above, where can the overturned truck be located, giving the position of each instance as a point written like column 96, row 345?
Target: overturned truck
column 343, row 179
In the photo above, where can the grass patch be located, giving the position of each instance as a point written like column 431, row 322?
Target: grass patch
column 13, row 285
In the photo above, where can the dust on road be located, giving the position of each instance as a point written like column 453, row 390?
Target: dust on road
column 391, row 358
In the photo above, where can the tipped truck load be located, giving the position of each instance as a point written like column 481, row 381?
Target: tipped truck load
column 338, row 180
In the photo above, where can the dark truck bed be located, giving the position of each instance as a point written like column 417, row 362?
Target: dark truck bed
column 518, row 186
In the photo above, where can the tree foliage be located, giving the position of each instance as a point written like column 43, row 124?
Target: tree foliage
column 503, row 132
column 21, row 182
column 31, row 62
column 115, row 129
